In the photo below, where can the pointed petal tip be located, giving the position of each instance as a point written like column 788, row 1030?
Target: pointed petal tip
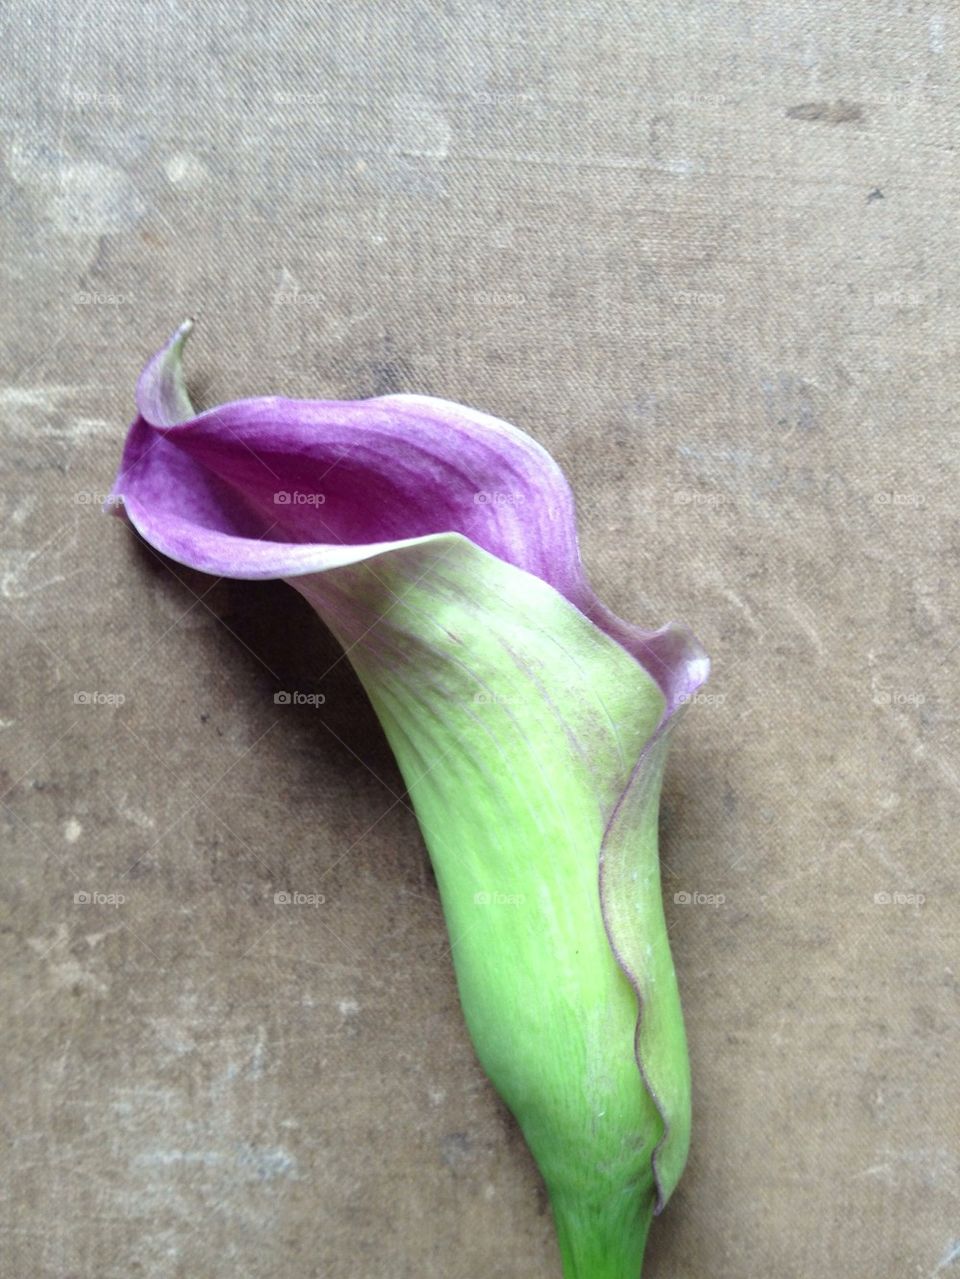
column 162, row 398
column 113, row 505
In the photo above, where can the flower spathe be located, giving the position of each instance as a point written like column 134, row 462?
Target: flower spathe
column 529, row 722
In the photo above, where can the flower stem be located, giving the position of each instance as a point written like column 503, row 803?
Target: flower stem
column 604, row 1244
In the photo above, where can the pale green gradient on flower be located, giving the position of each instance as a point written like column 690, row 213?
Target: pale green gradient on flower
column 516, row 724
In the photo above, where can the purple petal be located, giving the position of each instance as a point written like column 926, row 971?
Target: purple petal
column 271, row 487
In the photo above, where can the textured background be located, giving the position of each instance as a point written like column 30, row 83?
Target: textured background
column 706, row 253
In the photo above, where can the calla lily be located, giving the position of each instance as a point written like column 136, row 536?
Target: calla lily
column 530, row 725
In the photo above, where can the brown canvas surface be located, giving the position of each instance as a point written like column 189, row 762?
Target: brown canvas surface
column 707, row 254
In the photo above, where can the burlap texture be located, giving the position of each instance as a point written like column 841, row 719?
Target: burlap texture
column 707, row 254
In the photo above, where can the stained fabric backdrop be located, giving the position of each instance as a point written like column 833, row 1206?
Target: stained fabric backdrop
column 707, row 254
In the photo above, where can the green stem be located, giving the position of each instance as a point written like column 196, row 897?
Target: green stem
column 608, row 1244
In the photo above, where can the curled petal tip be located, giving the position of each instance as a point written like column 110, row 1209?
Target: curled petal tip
column 162, row 398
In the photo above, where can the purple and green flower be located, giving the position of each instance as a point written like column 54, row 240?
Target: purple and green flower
column 530, row 725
